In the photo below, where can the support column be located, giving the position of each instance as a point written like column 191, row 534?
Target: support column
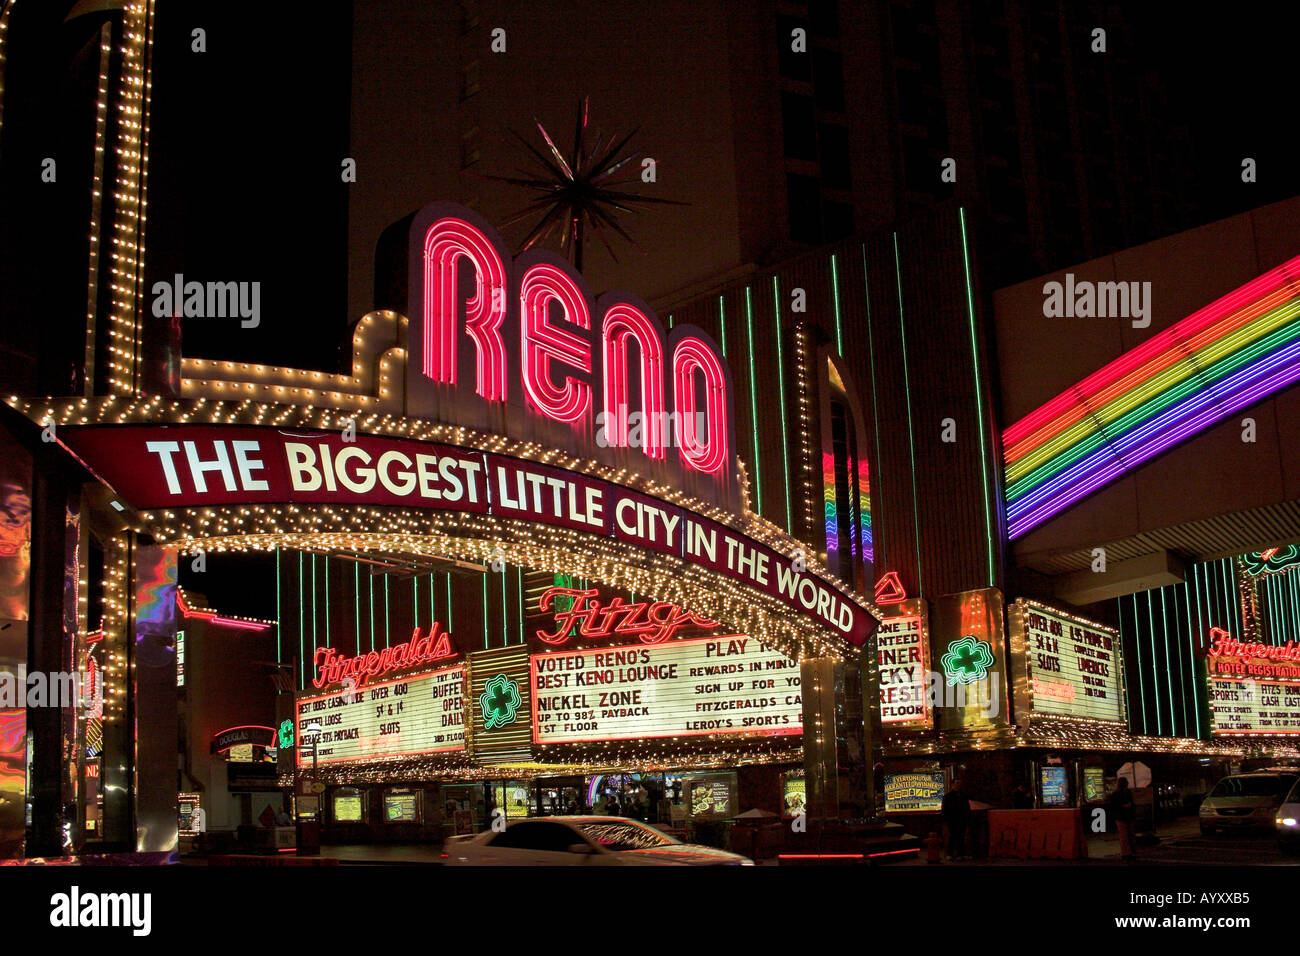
column 49, row 654
column 820, row 738
column 153, row 577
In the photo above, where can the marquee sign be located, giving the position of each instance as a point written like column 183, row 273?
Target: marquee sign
column 712, row 685
column 903, row 667
column 1253, row 688
column 1072, row 667
column 202, row 466
column 491, row 334
column 421, row 714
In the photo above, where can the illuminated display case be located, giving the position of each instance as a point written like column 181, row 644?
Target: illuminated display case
column 348, row 805
column 403, row 805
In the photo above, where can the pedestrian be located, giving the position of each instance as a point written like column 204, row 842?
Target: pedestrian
column 1021, row 798
column 1123, row 810
column 956, row 814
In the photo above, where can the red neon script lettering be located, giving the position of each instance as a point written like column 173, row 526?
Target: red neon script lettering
column 332, row 667
column 653, row 622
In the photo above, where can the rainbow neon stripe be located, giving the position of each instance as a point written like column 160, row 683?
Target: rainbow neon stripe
column 864, row 511
column 831, row 509
column 1223, row 357
column 828, row 497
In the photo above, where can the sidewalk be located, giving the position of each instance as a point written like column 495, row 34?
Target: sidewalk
column 1103, row 848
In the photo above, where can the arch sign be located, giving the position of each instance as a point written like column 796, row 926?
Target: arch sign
column 203, row 466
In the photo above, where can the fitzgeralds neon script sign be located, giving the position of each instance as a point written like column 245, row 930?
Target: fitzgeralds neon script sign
column 652, row 621
column 332, row 667
column 489, row 332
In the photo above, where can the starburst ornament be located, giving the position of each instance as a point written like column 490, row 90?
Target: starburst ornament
column 579, row 195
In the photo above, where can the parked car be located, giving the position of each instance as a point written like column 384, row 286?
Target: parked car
column 1247, row 801
column 1288, row 822
column 581, row 841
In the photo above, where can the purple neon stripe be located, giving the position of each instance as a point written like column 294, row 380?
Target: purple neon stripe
column 1093, row 477
column 1114, row 449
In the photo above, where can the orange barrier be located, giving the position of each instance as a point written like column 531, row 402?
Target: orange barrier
column 1037, row 834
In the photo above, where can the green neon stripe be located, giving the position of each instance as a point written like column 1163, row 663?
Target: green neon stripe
column 505, row 609
column 1294, row 602
column 835, row 297
column 1191, row 644
column 302, row 637
column 1227, row 596
column 433, row 605
column 387, row 617
column 313, row 601
column 519, row 598
column 1152, row 408
column 722, row 319
column 279, row 615
column 780, row 385
column 415, row 598
column 448, row 598
column 328, row 606
column 1151, row 623
column 907, row 388
column 753, row 402
column 876, row 539
column 356, row 599
column 1183, row 677
column 979, row 397
column 670, row 320
column 485, row 614
column 1137, row 646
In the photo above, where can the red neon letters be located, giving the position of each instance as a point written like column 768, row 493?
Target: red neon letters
column 332, row 667
column 653, row 622
column 563, row 336
column 445, row 245
column 541, row 342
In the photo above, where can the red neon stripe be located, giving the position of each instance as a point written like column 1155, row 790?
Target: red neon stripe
column 915, row 849
column 820, row 856
column 1281, row 278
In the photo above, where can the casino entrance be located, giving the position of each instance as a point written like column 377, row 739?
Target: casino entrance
column 490, row 592
column 429, row 696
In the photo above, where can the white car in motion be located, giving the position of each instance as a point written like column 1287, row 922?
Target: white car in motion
column 581, row 841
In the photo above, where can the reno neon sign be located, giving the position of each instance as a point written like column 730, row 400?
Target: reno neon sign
column 490, row 333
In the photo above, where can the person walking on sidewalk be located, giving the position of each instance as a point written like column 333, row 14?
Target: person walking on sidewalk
column 956, row 814
column 1123, row 809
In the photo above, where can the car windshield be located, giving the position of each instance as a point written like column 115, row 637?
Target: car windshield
column 1263, row 785
column 1295, row 793
column 624, row 836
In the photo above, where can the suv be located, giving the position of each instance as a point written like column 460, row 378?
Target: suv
column 1288, row 822
column 1247, row 801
